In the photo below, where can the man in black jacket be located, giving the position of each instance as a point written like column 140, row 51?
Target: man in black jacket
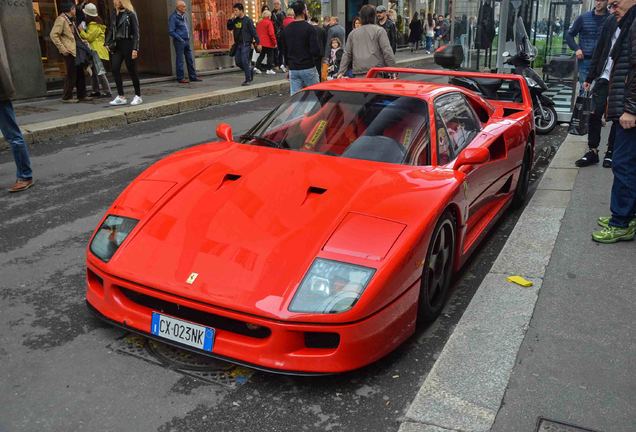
column 9, row 127
column 388, row 25
column 244, row 33
column 621, row 107
column 600, row 78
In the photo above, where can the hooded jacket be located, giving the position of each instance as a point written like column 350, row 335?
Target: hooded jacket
column 622, row 54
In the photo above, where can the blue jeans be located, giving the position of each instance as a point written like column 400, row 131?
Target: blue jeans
column 623, row 201
column 429, row 43
column 584, row 68
column 299, row 79
column 243, row 59
column 182, row 49
column 12, row 134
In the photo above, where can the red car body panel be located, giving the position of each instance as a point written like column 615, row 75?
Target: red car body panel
column 250, row 221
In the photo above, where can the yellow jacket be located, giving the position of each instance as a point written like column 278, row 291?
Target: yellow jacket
column 62, row 36
column 95, row 34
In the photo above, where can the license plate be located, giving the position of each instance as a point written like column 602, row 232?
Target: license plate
column 184, row 332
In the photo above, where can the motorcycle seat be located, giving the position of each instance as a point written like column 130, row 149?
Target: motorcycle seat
column 490, row 85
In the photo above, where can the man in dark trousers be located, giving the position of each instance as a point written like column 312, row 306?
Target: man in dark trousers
column 278, row 16
column 244, row 32
column 301, row 49
column 321, row 35
column 600, row 77
column 9, row 126
column 587, row 27
column 179, row 31
column 621, row 107
column 388, row 25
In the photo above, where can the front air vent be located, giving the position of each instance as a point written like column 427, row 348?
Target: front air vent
column 316, row 190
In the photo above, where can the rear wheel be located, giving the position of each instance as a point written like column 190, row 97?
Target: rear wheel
column 521, row 192
column 544, row 121
column 438, row 269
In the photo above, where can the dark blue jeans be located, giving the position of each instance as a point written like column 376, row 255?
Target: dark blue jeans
column 12, row 134
column 243, row 59
column 181, row 50
column 623, row 202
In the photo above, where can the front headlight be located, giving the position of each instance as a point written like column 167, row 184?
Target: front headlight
column 330, row 287
column 110, row 235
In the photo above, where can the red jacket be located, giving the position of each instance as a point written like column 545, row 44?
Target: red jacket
column 266, row 33
column 287, row 20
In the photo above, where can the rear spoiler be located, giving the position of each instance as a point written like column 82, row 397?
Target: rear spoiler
column 521, row 81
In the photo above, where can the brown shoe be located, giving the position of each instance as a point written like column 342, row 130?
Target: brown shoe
column 86, row 99
column 21, row 185
column 70, row 101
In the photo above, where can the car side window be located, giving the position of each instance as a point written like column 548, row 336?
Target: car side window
column 457, row 123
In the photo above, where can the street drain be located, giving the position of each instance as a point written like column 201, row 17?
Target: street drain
column 545, row 425
column 201, row 367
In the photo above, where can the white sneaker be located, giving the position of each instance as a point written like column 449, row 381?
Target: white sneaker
column 119, row 100
column 137, row 100
column 257, row 71
column 283, row 68
column 270, row 72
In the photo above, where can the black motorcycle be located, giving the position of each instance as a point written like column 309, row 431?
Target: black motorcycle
column 545, row 115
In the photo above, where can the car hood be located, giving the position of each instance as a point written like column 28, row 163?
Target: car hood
column 251, row 222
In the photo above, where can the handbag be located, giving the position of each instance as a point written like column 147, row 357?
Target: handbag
column 579, row 123
column 84, row 54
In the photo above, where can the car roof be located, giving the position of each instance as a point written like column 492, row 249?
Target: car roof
column 419, row 89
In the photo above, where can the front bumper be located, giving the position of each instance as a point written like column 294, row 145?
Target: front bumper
column 271, row 345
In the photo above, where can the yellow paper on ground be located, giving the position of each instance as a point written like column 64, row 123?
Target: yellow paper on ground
column 520, row 281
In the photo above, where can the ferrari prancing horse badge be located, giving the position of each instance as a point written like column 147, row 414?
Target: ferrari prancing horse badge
column 193, row 276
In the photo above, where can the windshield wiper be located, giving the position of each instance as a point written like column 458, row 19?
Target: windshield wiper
column 268, row 141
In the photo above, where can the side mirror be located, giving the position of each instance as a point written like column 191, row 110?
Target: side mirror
column 472, row 156
column 224, row 131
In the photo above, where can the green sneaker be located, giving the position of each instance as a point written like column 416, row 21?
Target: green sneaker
column 613, row 234
column 603, row 221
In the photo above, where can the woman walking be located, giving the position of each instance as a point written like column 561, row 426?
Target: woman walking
column 367, row 46
column 267, row 36
column 415, row 33
column 123, row 43
column 429, row 32
column 95, row 35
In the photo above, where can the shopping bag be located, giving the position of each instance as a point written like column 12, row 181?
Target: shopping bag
column 255, row 55
column 581, row 115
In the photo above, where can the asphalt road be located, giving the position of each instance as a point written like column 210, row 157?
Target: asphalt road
column 61, row 369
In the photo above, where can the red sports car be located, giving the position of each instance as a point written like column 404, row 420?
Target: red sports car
column 315, row 242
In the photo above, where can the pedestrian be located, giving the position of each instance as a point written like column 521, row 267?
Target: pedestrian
column 9, row 126
column 335, row 58
column 587, row 27
column 443, row 30
column 367, row 46
column 267, row 36
column 95, row 34
column 122, row 41
column 321, row 36
column 415, row 32
column 278, row 16
column 289, row 18
column 301, row 49
column 65, row 37
column 245, row 35
column 599, row 75
column 179, row 31
column 621, row 108
column 334, row 30
column 80, row 16
column 386, row 24
column 356, row 22
column 429, row 32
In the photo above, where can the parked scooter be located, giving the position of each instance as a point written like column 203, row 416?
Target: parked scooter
column 545, row 115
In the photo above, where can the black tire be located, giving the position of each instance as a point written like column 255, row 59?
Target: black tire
column 438, row 270
column 521, row 191
column 544, row 126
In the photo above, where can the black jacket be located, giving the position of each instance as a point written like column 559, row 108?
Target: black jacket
column 391, row 31
column 630, row 85
column 622, row 55
column 243, row 29
column 123, row 26
column 599, row 56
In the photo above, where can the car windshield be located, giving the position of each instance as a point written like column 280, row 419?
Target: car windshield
column 357, row 125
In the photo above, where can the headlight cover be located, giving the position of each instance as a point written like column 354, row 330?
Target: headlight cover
column 110, row 235
column 330, row 287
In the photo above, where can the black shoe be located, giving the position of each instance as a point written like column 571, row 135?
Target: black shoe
column 245, row 83
column 607, row 160
column 590, row 158
column 196, row 80
column 96, row 94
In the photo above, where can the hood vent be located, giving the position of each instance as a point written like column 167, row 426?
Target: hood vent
column 313, row 191
column 228, row 178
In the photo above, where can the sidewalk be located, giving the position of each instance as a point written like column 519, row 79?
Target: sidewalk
column 563, row 349
column 49, row 118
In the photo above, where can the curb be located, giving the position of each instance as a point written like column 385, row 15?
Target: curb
column 37, row 133
column 465, row 388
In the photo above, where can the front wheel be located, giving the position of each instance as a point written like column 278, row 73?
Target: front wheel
column 544, row 121
column 438, row 269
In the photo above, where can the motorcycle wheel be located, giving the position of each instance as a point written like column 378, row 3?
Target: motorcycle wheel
column 544, row 124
